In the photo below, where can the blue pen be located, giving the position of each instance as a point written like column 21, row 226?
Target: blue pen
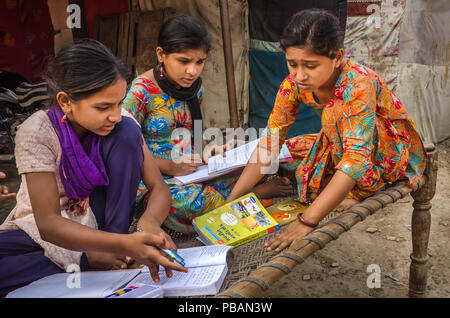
column 177, row 258
column 174, row 149
column 171, row 253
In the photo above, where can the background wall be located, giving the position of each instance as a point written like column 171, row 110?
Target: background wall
column 408, row 43
column 215, row 105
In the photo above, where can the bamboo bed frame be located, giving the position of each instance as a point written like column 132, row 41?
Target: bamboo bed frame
column 253, row 270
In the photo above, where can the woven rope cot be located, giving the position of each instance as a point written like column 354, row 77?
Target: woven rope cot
column 252, row 269
column 281, row 264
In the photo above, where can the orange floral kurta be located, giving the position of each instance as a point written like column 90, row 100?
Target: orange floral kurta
column 366, row 133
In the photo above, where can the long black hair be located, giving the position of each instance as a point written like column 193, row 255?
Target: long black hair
column 316, row 29
column 181, row 33
column 84, row 68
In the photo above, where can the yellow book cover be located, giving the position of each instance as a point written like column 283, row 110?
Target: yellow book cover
column 235, row 223
column 286, row 211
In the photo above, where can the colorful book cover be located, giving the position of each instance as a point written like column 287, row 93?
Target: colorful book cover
column 286, row 211
column 235, row 223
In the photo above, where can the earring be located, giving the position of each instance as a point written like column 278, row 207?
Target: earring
column 161, row 69
column 63, row 119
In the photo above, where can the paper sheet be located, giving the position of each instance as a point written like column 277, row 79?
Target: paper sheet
column 205, row 255
column 186, row 284
column 235, row 158
column 92, row 285
column 206, row 267
column 199, row 175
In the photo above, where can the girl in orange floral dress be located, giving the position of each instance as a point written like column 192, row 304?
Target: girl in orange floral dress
column 367, row 137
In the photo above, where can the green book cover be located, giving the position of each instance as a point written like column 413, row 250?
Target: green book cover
column 235, row 223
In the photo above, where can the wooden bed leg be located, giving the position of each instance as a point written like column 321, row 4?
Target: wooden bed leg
column 420, row 227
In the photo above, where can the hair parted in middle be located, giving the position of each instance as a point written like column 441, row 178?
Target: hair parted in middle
column 316, row 29
column 181, row 33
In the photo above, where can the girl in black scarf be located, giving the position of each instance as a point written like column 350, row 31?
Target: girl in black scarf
column 166, row 101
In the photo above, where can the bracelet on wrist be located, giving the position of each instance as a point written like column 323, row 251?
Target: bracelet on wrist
column 303, row 221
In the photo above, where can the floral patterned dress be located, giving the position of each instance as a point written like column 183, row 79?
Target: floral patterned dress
column 160, row 117
column 366, row 133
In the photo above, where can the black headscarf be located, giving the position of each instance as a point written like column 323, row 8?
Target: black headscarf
column 188, row 94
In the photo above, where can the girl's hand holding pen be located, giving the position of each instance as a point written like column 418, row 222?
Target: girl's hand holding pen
column 146, row 248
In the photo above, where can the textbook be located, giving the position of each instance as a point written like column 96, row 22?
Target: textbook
column 207, row 268
column 239, row 157
column 198, row 176
column 286, row 211
column 234, row 159
column 235, row 223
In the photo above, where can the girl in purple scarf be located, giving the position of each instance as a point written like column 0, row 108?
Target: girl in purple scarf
column 102, row 160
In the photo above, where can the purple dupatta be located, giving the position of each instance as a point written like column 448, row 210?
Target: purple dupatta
column 81, row 168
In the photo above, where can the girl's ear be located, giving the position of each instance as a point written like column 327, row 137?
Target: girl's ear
column 339, row 57
column 64, row 101
column 160, row 54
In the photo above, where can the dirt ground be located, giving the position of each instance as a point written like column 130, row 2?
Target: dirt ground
column 340, row 269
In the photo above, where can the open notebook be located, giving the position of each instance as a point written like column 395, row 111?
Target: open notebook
column 234, row 159
column 207, row 268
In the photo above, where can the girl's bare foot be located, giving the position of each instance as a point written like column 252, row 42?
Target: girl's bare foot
column 346, row 204
column 275, row 187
